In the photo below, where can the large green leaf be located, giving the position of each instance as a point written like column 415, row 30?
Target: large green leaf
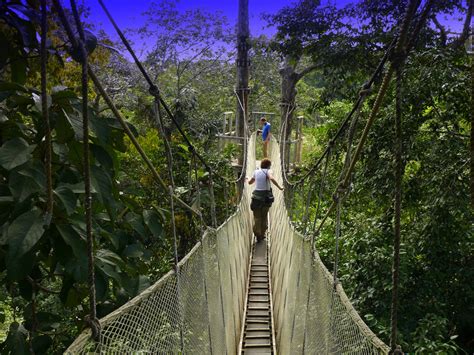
column 152, row 220
column 67, row 198
column 24, row 233
column 15, row 152
column 109, row 263
column 75, row 122
column 27, row 181
column 136, row 222
column 102, row 183
column 74, row 239
column 16, row 340
column 133, row 251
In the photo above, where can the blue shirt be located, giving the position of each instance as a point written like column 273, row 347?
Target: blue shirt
column 266, row 131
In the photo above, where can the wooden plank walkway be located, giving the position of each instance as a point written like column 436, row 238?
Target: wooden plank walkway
column 257, row 336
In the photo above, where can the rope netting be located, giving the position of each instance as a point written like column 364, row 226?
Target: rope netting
column 312, row 315
column 202, row 313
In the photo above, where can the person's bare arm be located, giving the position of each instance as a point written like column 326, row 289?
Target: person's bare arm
column 251, row 181
column 274, row 182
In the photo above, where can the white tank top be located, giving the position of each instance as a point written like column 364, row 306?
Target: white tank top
column 261, row 180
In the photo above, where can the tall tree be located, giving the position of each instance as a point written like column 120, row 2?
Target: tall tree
column 305, row 30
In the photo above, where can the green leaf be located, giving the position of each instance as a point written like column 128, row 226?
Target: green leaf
column 133, row 251
column 74, row 239
column 67, row 198
column 101, row 183
column 136, row 222
column 39, row 103
column 75, row 122
column 15, row 152
column 41, row 344
column 16, row 340
column 24, row 233
column 102, row 157
column 27, row 181
column 48, row 321
column 152, row 220
column 25, row 29
column 100, row 128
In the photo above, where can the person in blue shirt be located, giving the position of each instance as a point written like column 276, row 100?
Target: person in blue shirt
column 265, row 131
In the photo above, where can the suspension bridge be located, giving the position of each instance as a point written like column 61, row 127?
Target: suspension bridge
column 215, row 304
column 229, row 294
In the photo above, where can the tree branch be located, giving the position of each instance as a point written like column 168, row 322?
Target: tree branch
column 442, row 31
column 467, row 23
column 306, row 71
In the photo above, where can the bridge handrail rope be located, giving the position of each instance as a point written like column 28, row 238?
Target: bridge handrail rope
column 208, row 304
column 396, row 58
column 312, row 313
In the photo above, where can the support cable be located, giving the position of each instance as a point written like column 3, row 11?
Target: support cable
column 364, row 91
column 93, row 321
column 177, row 270
column 171, row 187
column 398, row 167
column 401, row 53
column 134, row 141
column 153, row 89
column 45, row 113
column 155, row 92
column 320, row 198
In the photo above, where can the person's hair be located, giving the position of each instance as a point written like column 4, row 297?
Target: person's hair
column 265, row 163
column 263, row 119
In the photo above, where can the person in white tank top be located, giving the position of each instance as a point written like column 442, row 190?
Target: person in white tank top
column 263, row 179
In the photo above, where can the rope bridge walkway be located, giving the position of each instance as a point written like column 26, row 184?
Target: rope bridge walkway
column 206, row 304
column 203, row 312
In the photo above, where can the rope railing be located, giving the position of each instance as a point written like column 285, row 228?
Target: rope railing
column 396, row 56
column 197, row 307
column 204, row 314
column 312, row 313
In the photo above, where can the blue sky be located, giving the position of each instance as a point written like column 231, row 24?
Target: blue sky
column 127, row 13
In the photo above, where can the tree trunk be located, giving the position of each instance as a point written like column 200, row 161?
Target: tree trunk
column 242, row 69
column 289, row 78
